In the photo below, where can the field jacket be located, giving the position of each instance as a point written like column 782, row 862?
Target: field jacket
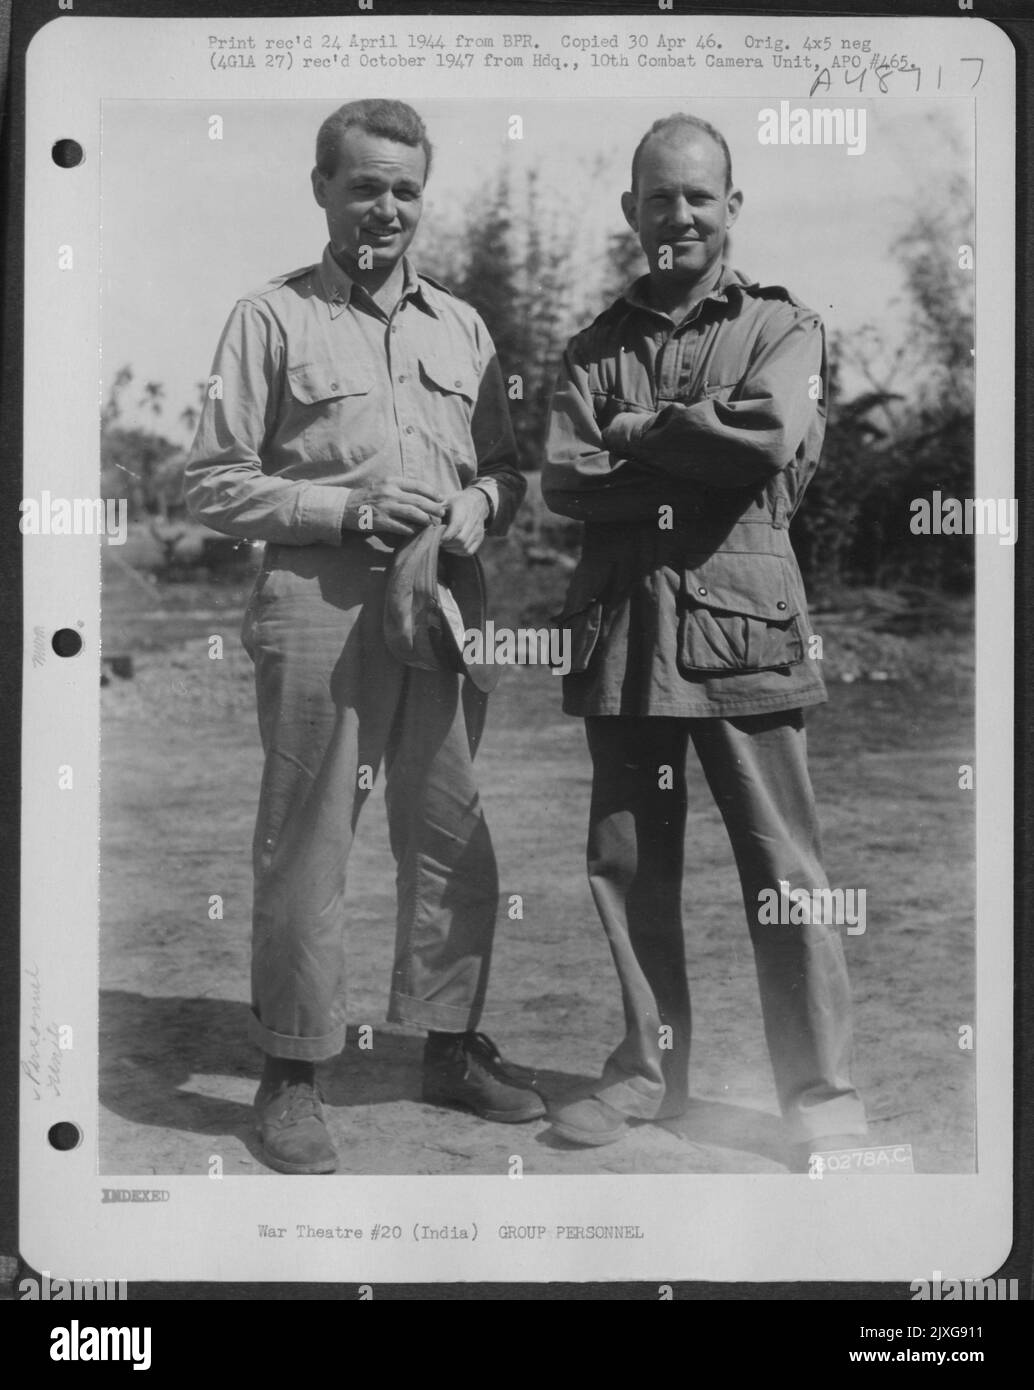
column 686, row 449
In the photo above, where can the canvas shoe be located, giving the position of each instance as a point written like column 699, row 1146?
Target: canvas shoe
column 590, row 1121
column 292, row 1128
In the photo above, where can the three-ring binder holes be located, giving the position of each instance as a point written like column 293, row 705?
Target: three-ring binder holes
column 67, row 642
column 64, row 1136
column 66, row 154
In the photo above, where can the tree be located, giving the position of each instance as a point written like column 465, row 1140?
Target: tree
column 625, row 262
column 546, row 311
column 516, row 276
column 489, row 278
column 911, row 432
column 135, row 464
column 153, row 397
column 111, row 412
column 139, row 465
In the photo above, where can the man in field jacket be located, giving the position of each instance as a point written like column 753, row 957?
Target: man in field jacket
column 687, row 422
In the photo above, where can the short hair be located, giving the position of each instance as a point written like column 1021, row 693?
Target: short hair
column 391, row 120
column 682, row 120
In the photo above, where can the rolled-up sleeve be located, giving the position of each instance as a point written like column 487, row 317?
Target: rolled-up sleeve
column 750, row 436
column 225, row 486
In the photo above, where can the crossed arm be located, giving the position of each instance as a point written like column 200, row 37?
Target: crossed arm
column 623, row 469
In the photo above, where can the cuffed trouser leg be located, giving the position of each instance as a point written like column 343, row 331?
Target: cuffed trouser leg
column 332, row 701
column 757, row 770
column 635, row 858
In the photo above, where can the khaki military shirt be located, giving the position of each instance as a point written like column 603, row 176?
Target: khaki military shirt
column 315, row 390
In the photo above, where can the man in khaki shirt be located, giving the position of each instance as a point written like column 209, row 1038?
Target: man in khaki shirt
column 359, row 402
column 687, row 422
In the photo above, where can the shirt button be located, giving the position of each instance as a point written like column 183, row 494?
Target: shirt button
column 394, row 328
column 409, row 429
column 457, row 383
column 702, row 591
column 334, row 386
column 780, row 604
column 402, row 377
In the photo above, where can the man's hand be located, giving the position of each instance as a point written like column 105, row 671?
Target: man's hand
column 625, row 430
column 401, row 509
column 467, row 514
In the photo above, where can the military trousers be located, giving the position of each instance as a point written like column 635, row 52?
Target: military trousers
column 756, row 768
column 335, row 708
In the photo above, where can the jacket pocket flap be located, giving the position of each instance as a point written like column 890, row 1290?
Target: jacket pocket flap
column 313, row 382
column 454, row 378
column 582, row 627
column 759, row 586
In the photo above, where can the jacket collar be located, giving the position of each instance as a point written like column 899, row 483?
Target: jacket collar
column 637, row 293
column 337, row 285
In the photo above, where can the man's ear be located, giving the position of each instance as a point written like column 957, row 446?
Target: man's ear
column 630, row 208
column 319, row 187
column 732, row 207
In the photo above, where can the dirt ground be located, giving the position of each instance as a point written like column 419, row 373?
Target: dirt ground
column 181, row 768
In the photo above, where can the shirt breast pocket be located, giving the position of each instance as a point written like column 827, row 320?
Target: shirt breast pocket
column 451, row 387
column 333, row 406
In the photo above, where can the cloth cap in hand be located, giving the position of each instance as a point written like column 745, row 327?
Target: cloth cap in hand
column 434, row 600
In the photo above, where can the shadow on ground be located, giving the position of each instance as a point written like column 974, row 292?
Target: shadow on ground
column 185, row 1067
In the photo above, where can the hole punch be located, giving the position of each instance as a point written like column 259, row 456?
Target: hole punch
column 66, row 154
column 67, row 642
column 64, row 1136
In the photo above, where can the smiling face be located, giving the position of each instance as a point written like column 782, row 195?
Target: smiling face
column 681, row 202
column 373, row 198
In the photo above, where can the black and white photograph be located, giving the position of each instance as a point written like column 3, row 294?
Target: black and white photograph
column 550, row 544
